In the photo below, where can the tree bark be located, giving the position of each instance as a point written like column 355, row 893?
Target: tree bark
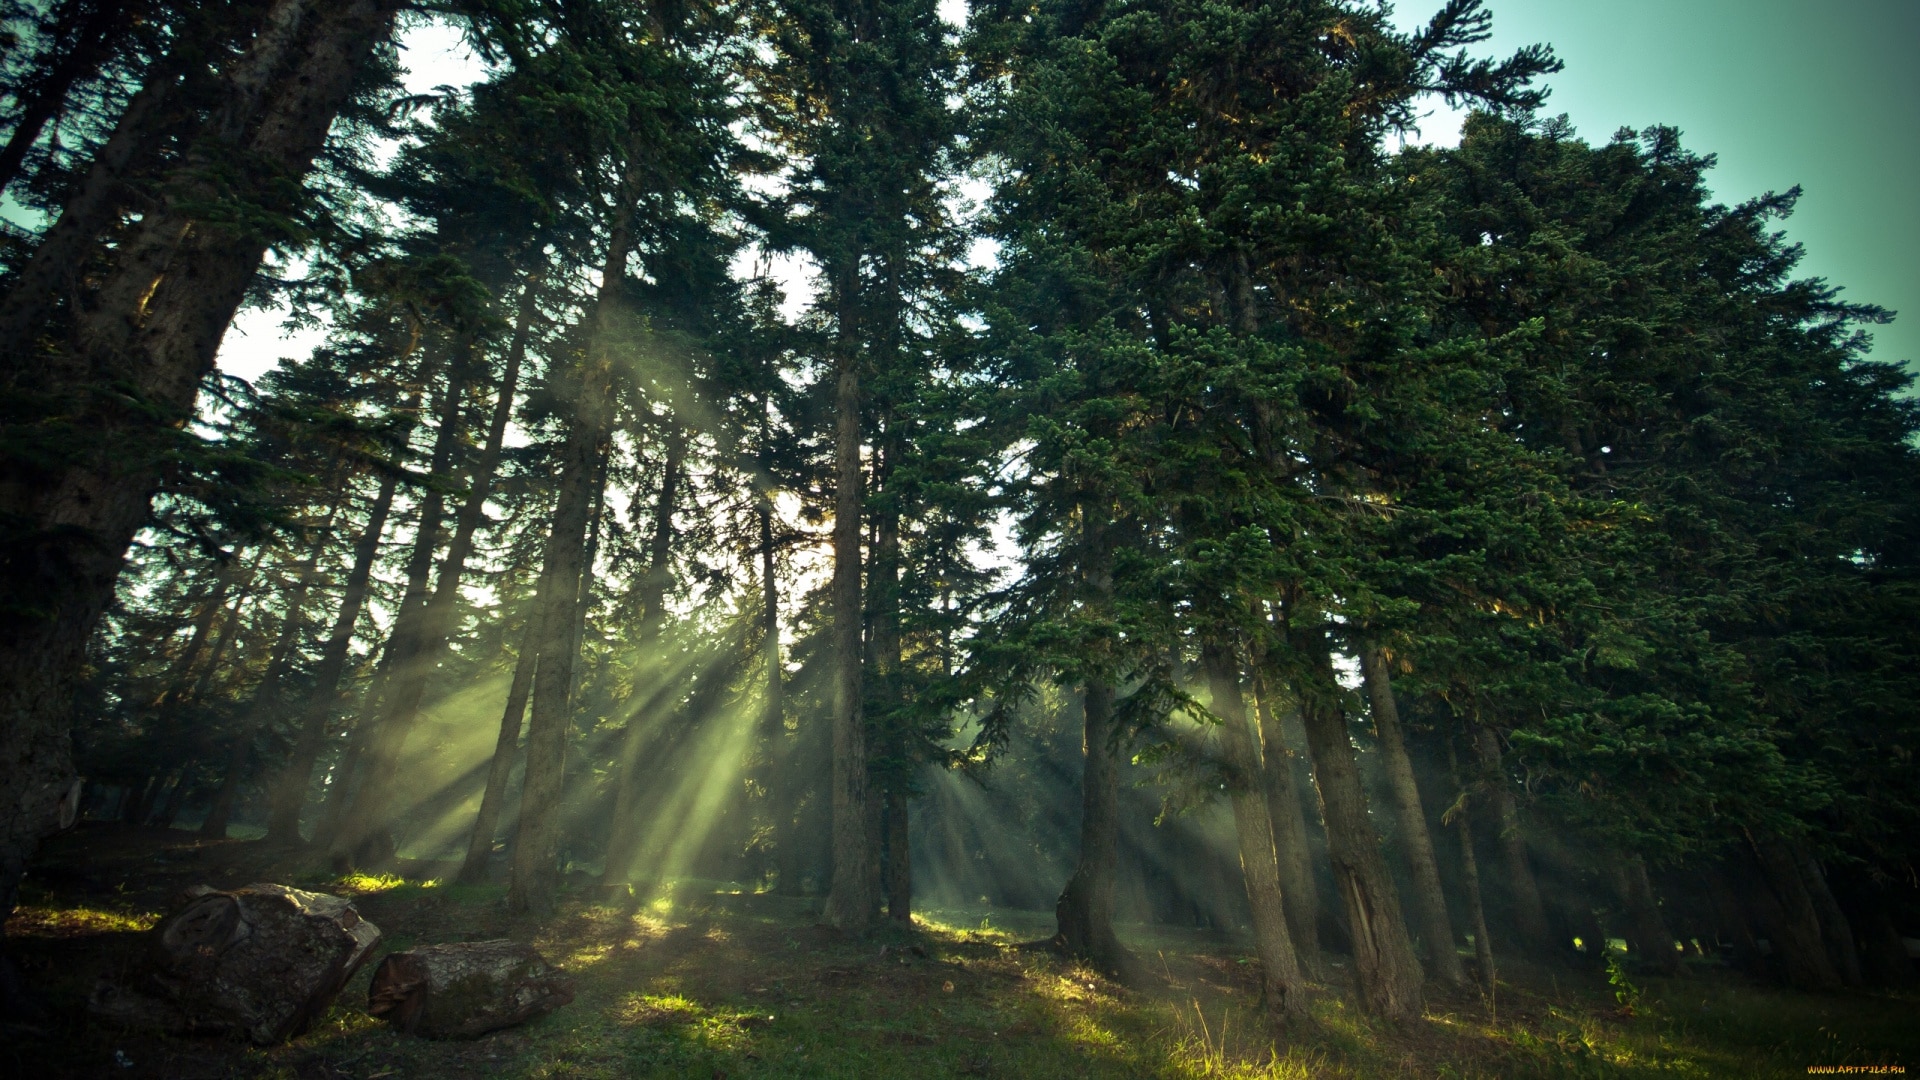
column 1648, row 935
column 1389, row 973
column 1298, row 890
column 645, row 723
column 851, row 901
column 888, row 813
column 1834, row 927
column 1083, row 916
column 365, row 836
column 899, row 859
column 75, row 520
column 290, row 787
column 780, row 779
column 223, row 640
column 535, row 876
column 1282, row 989
column 1470, row 879
column 1793, row 925
column 473, row 871
column 266, row 698
column 179, row 679
column 1530, row 916
column 1429, row 903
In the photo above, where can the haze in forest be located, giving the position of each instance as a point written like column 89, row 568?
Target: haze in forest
column 1375, row 505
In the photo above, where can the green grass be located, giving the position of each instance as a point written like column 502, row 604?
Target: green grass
column 698, row 981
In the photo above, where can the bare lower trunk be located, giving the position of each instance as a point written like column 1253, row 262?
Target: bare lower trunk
column 1084, row 913
column 413, row 646
column 1793, row 925
column 661, row 688
column 899, row 859
column 851, row 901
column 536, row 848
column 290, row 786
column 267, row 696
column 1529, row 915
column 1429, row 903
column 1470, row 879
column 1282, row 989
column 1648, row 936
column 221, row 812
column 1834, row 927
column 1389, row 973
column 473, row 870
column 1298, row 890
column 180, row 677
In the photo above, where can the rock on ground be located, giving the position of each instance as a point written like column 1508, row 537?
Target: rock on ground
column 262, row 962
column 466, row 989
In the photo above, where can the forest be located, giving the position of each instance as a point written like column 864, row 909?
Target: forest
column 1067, row 494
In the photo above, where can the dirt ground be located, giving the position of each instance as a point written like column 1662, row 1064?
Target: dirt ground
column 723, row 983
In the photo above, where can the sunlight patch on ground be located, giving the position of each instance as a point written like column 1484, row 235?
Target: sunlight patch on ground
column 61, row 922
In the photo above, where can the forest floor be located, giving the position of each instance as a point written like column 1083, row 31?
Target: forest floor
column 717, row 984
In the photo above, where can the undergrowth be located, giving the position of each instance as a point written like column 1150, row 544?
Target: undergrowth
column 730, row 984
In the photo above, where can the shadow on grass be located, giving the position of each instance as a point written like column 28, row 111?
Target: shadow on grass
column 706, row 979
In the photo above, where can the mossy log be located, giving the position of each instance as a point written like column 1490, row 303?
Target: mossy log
column 262, row 962
column 466, row 989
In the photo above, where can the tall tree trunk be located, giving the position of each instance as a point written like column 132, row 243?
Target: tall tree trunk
column 266, row 699
column 645, row 723
column 365, row 836
column 1529, row 915
column 899, row 856
column 180, row 677
column 1282, row 989
column 1834, row 927
column 84, row 37
column 851, row 900
column 888, row 813
column 1298, row 891
column 1083, row 916
column 290, row 787
column 220, row 813
column 222, row 641
column 782, row 790
column 535, row 876
column 1470, row 879
column 154, row 343
column 137, row 805
column 473, row 871
column 1429, row 903
column 425, row 644
column 1793, row 922
column 176, row 795
column 1648, row 936
column 1389, row 973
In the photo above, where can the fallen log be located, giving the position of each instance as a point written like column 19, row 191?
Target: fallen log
column 262, row 962
column 466, row 989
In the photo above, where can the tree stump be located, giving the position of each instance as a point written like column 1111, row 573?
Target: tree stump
column 261, row 962
column 466, row 989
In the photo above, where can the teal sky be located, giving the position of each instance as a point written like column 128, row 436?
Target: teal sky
column 1820, row 93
